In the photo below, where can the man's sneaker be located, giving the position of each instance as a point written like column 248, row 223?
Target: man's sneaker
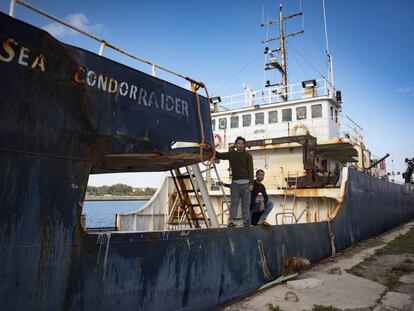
column 246, row 224
column 263, row 223
column 230, row 225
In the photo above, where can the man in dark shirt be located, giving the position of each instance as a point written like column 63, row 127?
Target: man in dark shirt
column 241, row 163
column 257, row 205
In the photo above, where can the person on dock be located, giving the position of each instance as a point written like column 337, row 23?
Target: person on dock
column 241, row 163
column 260, row 206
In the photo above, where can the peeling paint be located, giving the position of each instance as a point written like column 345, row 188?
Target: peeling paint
column 232, row 248
column 263, row 261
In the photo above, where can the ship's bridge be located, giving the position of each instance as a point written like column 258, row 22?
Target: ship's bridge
column 264, row 115
column 312, row 106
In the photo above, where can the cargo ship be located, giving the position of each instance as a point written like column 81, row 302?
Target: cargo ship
column 68, row 113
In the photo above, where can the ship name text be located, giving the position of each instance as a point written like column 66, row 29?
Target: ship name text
column 137, row 94
column 11, row 50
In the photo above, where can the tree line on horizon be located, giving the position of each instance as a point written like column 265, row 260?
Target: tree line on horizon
column 119, row 190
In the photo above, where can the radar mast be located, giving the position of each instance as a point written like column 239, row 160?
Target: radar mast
column 273, row 62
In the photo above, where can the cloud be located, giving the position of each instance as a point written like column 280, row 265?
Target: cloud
column 407, row 89
column 79, row 20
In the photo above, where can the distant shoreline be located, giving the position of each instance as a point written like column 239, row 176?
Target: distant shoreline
column 118, row 198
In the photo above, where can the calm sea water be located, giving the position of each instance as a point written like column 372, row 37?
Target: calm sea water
column 102, row 213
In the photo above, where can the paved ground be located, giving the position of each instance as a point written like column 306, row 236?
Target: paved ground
column 377, row 274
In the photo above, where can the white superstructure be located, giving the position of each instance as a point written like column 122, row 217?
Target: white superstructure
column 313, row 108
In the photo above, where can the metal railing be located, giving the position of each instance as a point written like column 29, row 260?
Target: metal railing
column 102, row 42
column 292, row 215
column 355, row 129
column 272, row 95
column 284, row 214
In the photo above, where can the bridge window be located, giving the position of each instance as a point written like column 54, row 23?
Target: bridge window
column 273, row 116
column 222, row 123
column 234, row 122
column 247, row 120
column 316, row 111
column 286, row 115
column 300, row 113
column 213, row 124
column 259, row 116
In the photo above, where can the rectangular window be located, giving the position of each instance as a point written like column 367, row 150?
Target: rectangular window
column 286, row 115
column 336, row 116
column 222, row 123
column 273, row 116
column 234, row 122
column 316, row 111
column 247, row 120
column 213, row 124
column 259, row 116
column 300, row 113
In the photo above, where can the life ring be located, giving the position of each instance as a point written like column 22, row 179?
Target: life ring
column 217, row 140
column 297, row 127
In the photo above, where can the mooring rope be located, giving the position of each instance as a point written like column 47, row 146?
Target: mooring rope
column 195, row 86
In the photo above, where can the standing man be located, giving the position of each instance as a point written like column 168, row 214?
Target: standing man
column 241, row 163
column 260, row 206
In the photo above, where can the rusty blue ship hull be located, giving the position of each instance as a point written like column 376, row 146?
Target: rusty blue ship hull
column 66, row 113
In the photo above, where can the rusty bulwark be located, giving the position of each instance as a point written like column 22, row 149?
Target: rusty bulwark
column 54, row 131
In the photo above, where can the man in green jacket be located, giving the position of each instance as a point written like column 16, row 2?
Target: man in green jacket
column 241, row 163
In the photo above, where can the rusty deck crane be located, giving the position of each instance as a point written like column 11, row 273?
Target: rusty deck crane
column 312, row 177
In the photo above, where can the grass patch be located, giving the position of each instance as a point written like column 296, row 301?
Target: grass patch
column 324, row 308
column 403, row 268
column 390, row 262
column 392, row 282
column 404, row 243
column 271, row 307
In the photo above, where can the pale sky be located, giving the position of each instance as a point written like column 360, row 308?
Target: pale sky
column 218, row 42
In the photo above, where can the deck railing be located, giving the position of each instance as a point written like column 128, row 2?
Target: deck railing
column 351, row 129
column 102, row 43
column 272, row 95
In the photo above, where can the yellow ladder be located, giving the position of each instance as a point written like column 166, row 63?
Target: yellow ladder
column 190, row 203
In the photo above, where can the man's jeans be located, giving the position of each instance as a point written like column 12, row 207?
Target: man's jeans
column 237, row 192
column 268, row 208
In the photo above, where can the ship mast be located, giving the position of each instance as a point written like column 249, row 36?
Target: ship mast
column 328, row 54
column 282, row 54
column 273, row 62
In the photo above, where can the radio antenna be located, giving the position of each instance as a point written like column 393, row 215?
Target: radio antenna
column 328, row 54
